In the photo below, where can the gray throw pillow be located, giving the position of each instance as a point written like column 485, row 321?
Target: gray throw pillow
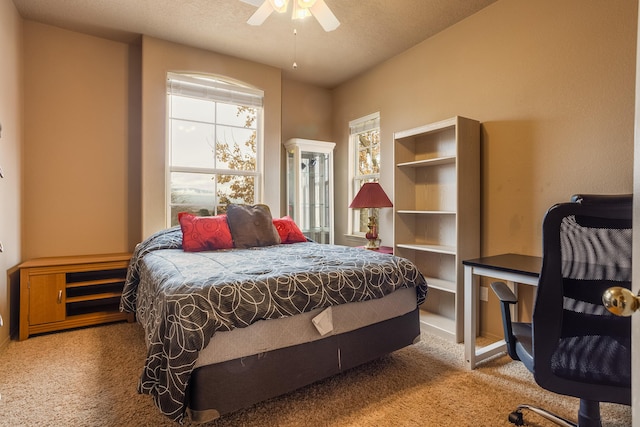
column 251, row 225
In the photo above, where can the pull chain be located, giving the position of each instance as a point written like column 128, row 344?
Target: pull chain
column 295, row 48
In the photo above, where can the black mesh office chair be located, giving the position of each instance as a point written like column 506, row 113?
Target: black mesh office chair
column 574, row 346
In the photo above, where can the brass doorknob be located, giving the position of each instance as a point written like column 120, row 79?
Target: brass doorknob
column 620, row 301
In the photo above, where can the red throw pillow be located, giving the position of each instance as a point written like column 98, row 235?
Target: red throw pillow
column 204, row 233
column 288, row 230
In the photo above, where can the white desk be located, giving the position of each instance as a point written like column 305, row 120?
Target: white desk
column 513, row 269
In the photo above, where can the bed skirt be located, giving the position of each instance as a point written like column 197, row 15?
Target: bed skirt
column 225, row 387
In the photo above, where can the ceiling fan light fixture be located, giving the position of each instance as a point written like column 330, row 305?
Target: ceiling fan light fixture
column 305, row 4
column 301, row 9
column 299, row 12
column 279, row 6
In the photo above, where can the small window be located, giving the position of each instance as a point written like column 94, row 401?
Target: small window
column 215, row 141
column 364, row 149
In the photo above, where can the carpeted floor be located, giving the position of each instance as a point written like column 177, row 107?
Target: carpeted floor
column 88, row 377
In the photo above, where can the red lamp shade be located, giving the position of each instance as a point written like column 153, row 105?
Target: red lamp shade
column 371, row 195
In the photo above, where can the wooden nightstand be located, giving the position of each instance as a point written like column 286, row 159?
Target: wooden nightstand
column 69, row 292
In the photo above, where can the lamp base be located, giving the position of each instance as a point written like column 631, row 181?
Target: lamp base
column 373, row 244
column 372, row 235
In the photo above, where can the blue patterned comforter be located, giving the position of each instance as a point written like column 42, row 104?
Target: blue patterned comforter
column 182, row 298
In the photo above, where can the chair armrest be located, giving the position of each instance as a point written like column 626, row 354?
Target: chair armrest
column 507, row 298
column 503, row 292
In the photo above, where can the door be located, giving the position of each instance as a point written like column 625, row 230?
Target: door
column 46, row 298
column 635, row 284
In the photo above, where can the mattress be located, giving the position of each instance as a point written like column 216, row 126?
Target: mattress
column 267, row 335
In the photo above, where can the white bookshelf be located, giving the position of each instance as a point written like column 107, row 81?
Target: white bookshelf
column 436, row 217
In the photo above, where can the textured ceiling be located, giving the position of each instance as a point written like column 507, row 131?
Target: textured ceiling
column 371, row 31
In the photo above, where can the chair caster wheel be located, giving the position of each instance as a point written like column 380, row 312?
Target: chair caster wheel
column 516, row 418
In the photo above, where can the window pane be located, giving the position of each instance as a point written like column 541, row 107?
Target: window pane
column 365, row 164
column 192, row 189
column 236, row 189
column 196, row 193
column 364, row 140
column 369, row 153
column 236, row 115
column 236, row 148
column 193, row 193
column 375, row 157
column 192, row 144
column 183, row 107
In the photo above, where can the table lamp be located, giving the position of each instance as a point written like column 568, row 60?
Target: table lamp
column 371, row 195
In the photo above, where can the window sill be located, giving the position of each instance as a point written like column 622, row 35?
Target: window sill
column 355, row 238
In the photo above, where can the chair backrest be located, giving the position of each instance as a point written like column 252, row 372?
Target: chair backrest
column 580, row 349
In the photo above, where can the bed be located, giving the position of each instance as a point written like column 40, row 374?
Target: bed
column 231, row 327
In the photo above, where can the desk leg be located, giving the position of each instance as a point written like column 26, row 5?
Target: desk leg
column 471, row 322
column 470, row 316
column 472, row 354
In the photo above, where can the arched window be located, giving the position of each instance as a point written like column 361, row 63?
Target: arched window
column 215, row 144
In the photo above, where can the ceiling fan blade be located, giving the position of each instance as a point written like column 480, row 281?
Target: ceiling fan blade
column 325, row 17
column 261, row 14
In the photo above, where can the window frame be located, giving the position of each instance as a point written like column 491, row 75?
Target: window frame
column 215, row 88
column 356, row 180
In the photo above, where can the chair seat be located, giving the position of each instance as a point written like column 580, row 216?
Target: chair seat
column 524, row 343
column 595, row 359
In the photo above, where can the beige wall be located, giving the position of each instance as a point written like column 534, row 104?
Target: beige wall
column 553, row 85
column 160, row 57
column 76, row 144
column 10, row 146
column 306, row 113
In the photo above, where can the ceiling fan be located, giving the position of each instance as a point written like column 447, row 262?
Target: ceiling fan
column 301, row 9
